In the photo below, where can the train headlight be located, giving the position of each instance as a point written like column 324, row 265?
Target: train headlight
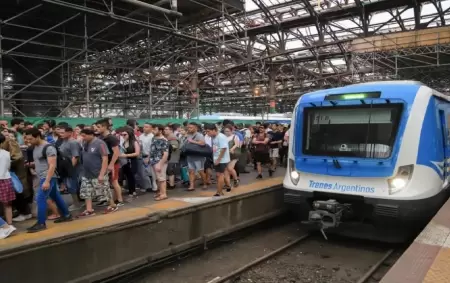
column 295, row 176
column 401, row 180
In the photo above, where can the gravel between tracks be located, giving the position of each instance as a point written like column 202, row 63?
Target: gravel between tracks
column 314, row 260
column 318, row 261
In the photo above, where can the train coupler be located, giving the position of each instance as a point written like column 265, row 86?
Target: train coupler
column 326, row 214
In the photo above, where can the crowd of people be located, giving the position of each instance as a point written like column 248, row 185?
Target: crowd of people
column 97, row 163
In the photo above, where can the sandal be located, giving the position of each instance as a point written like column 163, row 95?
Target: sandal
column 161, row 198
column 157, row 195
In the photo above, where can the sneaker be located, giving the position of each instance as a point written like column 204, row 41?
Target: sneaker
column 63, row 219
column 119, row 203
column 132, row 197
column 74, row 207
column 22, row 217
column 6, row 232
column 103, row 203
column 227, row 188
column 143, row 190
column 259, row 176
column 37, row 227
column 236, row 183
column 87, row 213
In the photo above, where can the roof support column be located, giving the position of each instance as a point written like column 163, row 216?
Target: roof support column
column 194, row 88
column 88, row 103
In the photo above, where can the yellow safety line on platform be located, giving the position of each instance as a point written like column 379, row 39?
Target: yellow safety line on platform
column 439, row 271
column 121, row 216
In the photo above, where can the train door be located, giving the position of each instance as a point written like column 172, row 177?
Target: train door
column 444, row 116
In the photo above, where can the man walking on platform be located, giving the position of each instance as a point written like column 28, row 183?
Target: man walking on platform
column 113, row 158
column 221, row 156
column 45, row 156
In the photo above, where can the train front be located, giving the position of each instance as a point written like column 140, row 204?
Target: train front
column 348, row 171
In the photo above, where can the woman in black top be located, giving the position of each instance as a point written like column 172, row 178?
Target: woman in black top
column 130, row 152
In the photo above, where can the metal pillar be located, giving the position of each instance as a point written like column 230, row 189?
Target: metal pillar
column 150, row 100
column 88, row 107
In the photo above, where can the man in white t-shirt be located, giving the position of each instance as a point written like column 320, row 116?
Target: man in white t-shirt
column 221, row 155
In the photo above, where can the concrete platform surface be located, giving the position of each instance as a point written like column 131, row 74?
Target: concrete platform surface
column 428, row 258
column 142, row 231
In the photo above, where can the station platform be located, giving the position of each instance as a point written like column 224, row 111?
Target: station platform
column 141, row 232
column 427, row 259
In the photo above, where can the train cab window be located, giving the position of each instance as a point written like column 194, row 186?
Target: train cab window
column 366, row 131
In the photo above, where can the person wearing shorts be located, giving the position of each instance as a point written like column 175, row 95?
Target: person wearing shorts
column 274, row 145
column 221, row 156
column 94, row 176
column 159, row 155
column 174, row 159
column 195, row 163
column 112, row 142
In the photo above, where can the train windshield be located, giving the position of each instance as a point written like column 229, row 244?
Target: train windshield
column 365, row 131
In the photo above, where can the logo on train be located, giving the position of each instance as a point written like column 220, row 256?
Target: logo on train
column 341, row 188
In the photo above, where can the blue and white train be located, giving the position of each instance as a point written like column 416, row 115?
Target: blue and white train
column 370, row 160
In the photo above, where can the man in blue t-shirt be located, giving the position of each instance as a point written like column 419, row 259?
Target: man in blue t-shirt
column 221, row 155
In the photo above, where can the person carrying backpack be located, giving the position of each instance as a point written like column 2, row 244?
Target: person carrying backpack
column 46, row 164
column 174, row 156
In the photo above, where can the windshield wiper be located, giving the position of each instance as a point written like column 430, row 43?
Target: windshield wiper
column 336, row 163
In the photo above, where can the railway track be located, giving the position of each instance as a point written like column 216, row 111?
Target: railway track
column 273, row 252
column 378, row 268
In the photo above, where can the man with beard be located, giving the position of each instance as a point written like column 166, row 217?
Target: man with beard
column 17, row 125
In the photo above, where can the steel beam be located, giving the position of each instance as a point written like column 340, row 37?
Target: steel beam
column 129, row 20
column 45, row 75
column 161, row 2
column 40, row 34
column 153, row 7
column 21, row 14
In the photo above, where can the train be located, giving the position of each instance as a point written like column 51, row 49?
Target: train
column 369, row 160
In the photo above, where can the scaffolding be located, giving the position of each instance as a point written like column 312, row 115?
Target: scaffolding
column 169, row 58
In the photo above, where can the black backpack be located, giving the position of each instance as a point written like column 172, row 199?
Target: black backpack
column 170, row 151
column 64, row 166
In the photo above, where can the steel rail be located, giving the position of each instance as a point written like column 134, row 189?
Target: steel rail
column 257, row 261
column 374, row 268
